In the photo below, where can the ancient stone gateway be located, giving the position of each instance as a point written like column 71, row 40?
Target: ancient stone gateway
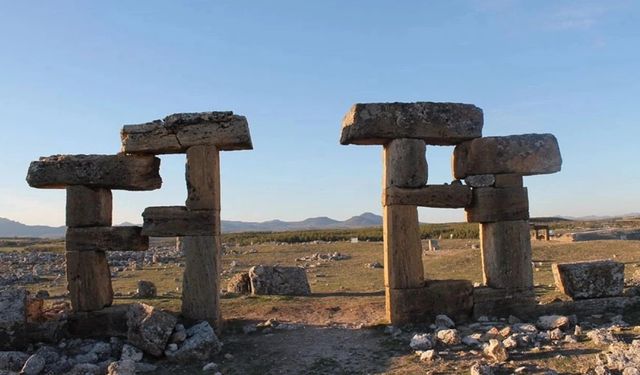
column 90, row 178
column 493, row 196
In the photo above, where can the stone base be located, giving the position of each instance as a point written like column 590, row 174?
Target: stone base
column 500, row 303
column 108, row 322
column 415, row 305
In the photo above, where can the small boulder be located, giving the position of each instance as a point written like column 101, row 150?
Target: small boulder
column 146, row 289
column 239, row 283
column 34, row 365
column 595, row 279
column 131, row 353
column 124, row 367
column 278, row 280
column 480, row 369
column 428, row 355
column 149, row 328
column 496, row 351
column 443, row 321
column 12, row 361
column 449, row 336
column 549, row 322
column 13, row 309
column 422, row 341
column 201, row 343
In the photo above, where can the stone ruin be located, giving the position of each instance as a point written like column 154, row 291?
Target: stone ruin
column 89, row 179
column 494, row 196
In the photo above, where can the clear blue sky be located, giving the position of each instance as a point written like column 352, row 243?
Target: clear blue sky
column 73, row 72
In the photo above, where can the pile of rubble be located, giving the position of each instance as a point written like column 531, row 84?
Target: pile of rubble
column 319, row 257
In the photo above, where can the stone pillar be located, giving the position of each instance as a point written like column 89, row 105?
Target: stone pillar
column 88, row 274
column 201, row 281
column 405, row 166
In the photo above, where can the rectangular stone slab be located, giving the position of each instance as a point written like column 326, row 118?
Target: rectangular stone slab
column 122, row 172
column 87, row 207
column 502, row 303
column 202, row 174
column 176, row 133
column 88, row 280
column 422, row 304
column 526, row 154
column 498, row 204
column 435, row 123
column 106, row 239
column 440, row 196
column 595, row 279
column 175, row 221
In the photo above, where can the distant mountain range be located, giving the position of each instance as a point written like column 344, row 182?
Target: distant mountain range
column 10, row 228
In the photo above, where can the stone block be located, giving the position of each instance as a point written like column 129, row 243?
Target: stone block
column 279, row 280
column 106, row 239
column 88, row 280
column 453, row 298
column 13, row 305
column 121, row 172
column 176, row 133
column 435, row 123
column 593, row 279
column 527, row 154
column 88, row 207
column 402, row 247
column 405, row 163
column 172, row 221
column 498, row 204
column 105, row 323
column 203, row 178
column 508, row 180
column 480, row 180
column 502, row 303
column 149, row 328
column 440, row 196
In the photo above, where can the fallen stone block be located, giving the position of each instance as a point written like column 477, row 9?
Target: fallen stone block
column 435, row 123
column 526, row 154
column 278, row 280
column 122, row 172
column 201, row 343
column 594, row 279
column 176, row 133
column 453, row 298
column 149, row 329
column 438, row 196
column 88, row 207
column 172, row 221
column 106, row 239
column 498, row 204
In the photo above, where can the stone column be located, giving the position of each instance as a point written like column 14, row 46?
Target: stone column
column 405, row 166
column 201, row 282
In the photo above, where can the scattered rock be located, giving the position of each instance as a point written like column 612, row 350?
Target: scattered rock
column 443, row 321
column 496, row 351
column 34, row 365
column 130, row 352
column 85, row 369
column 549, row 322
column 428, row 355
column 201, row 344
column 373, row 265
column 278, row 280
column 211, row 366
column 556, row 334
column 601, row 336
column 146, row 289
column 12, row 361
column 123, row 367
column 422, row 341
column 449, row 336
column 480, row 369
column 239, row 283
column 149, row 328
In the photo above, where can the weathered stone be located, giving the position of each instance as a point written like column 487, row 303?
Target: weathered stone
column 88, row 207
column 88, row 280
column 85, row 369
column 451, row 297
column 149, row 328
column 402, row 248
column 498, row 204
column 123, row 172
column 506, row 255
column 435, row 123
column 594, row 279
column 481, row 369
column 203, row 178
column 13, row 309
column 106, row 239
column 449, row 336
column 201, row 279
column 405, row 163
column 176, row 133
column 124, row 367
column 239, row 283
column 130, row 352
column 108, row 322
column 172, row 221
column 422, row 341
column 438, row 196
column 508, row 180
column 480, row 180
column 502, row 303
column 496, row 351
column 526, row 154
column 200, row 345
column 12, row 361
column 146, row 289
column 549, row 322
column 278, row 280
column 443, row 321
column 34, row 365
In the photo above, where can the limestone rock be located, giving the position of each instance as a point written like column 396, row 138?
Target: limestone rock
column 176, row 133
column 201, row 344
column 88, row 207
column 549, row 322
column 422, row 341
column 148, row 328
column 123, row 367
column 172, row 221
column 449, row 336
column 438, row 196
column 146, row 289
column 122, row 238
column 444, row 321
column 12, row 361
column 428, row 355
column 526, row 154
column 13, row 313
column 435, row 123
column 124, row 172
column 89, row 280
column 33, row 366
column 595, row 279
column 239, row 283
column 130, row 352
column 279, row 280
column 480, row 180
column 480, row 369
column 496, row 351
column 405, row 163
